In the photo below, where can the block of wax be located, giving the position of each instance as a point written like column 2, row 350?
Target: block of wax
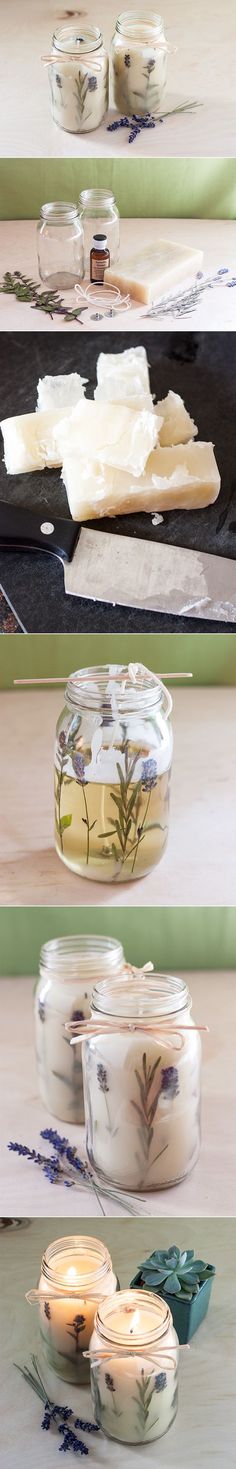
column 183, row 477
column 29, row 442
column 147, row 274
column 177, row 426
column 63, row 391
column 129, row 366
column 119, row 390
column 116, row 434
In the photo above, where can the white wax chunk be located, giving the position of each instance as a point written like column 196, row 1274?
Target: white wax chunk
column 182, row 477
column 122, row 390
column 149, row 272
column 63, row 391
column 132, row 365
column 29, row 442
column 177, row 426
column 118, row 435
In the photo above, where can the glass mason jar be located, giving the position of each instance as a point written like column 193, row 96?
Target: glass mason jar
column 60, row 246
column 142, row 1064
column 68, row 970
column 76, row 1273
column 112, row 772
column 134, row 1354
column 98, row 212
column 139, row 62
column 78, row 78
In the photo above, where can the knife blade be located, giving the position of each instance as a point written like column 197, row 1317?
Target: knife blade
column 103, row 566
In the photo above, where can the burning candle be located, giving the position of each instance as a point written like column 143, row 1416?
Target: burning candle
column 134, row 1367
column 76, row 1273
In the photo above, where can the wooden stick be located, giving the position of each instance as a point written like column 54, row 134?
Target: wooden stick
column 24, row 682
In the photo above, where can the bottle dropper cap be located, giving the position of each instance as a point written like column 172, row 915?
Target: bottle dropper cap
column 100, row 242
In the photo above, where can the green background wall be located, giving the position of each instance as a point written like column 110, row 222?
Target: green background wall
column 173, row 938
column 205, row 188
column 211, row 659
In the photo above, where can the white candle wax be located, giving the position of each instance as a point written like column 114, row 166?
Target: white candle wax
column 133, row 1370
column 139, row 65
column 79, row 88
column 77, row 1281
column 69, row 968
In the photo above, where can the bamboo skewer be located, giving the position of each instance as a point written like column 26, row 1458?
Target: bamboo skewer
column 24, row 682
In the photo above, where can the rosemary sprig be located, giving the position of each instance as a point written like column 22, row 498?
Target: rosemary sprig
column 24, row 289
column 63, row 1419
column 183, row 304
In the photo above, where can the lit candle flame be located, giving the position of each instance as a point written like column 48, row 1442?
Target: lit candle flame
column 71, row 1274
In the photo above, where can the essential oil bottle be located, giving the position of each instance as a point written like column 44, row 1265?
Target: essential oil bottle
column 99, row 259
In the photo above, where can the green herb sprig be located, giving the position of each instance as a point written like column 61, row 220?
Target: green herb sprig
column 24, row 289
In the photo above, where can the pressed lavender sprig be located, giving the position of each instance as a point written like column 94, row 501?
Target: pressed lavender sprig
column 66, row 1167
column 188, row 301
column 137, row 123
column 63, row 1419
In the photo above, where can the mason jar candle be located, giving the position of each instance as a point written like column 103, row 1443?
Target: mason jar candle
column 78, row 78
column 98, row 212
column 60, row 246
column 76, row 1273
column 68, row 970
column 112, row 772
column 141, row 1060
column 134, row 1353
column 139, row 62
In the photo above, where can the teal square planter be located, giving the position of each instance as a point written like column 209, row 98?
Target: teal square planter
column 187, row 1315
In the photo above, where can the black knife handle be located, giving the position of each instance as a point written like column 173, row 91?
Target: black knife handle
column 20, row 529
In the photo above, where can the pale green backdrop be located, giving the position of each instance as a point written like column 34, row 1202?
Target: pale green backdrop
column 173, row 938
column 211, row 659
column 152, row 188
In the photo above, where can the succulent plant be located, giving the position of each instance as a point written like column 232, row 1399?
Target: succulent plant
column 172, row 1272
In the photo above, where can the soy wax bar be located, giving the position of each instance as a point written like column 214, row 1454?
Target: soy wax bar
column 29, row 442
column 183, row 477
column 177, row 426
column 62, row 392
column 118, row 435
column 130, row 366
column 148, row 275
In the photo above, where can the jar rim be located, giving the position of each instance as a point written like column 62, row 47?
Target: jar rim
column 59, row 210
column 141, row 996
column 60, row 955
column 124, row 689
column 84, row 40
column 79, row 1244
column 106, row 194
column 151, row 21
column 141, row 1299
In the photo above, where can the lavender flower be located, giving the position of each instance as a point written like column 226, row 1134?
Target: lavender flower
column 109, row 1382
column 92, row 84
column 78, row 763
column 58, row 80
column 150, row 65
column 41, row 1011
column 127, row 60
column 62, row 740
column 160, row 1382
column 170, row 1081
column 149, row 775
column 47, row 1310
column 71, row 1442
column 77, row 1015
column 102, row 1078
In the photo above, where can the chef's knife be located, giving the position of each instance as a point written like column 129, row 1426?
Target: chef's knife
column 107, row 567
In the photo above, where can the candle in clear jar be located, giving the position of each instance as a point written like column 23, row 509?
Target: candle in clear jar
column 139, row 62
column 69, row 968
column 142, row 1086
column 134, row 1367
column 78, row 79
column 76, row 1273
column 112, row 773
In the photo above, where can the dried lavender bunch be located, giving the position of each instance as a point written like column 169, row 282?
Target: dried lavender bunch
column 18, row 285
column 65, row 1166
column 187, row 301
column 63, row 1419
column 136, row 123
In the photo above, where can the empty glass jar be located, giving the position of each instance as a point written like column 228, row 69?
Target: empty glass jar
column 69, row 968
column 142, row 1068
column 98, row 212
column 76, row 1273
column 60, row 246
column 112, row 772
column 139, row 62
column 134, row 1353
column 78, row 78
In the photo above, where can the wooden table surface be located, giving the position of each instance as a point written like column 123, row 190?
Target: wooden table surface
column 204, row 1431
column 199, row 865
column 209, row 1189
column 216, row 307
column 201, row 68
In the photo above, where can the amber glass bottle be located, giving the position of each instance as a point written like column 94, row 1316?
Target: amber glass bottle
column 99, row 259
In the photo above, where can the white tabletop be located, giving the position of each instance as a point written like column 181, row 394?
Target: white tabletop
column 204, row 1430
column 216, row 308
column 202, row 69
column 209, row 1189
column 199, row 866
